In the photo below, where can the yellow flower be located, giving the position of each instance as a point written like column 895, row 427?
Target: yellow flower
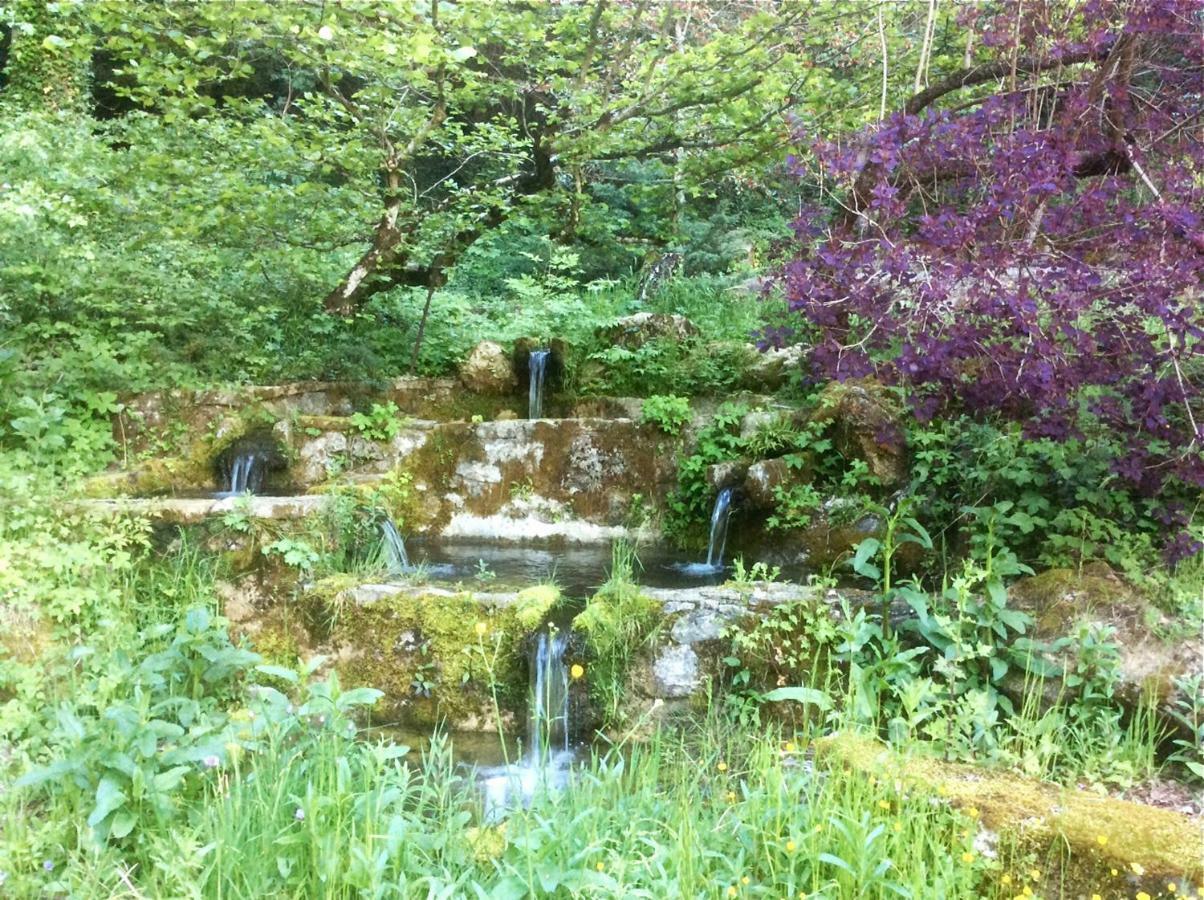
column 481, row 629
column 943, row 791
column 577, row 670
column 1034, row 874
column 745, row 880
column 882, row 804
column 722, row 767
column 1138, row 868
column 898, row 826
column 1006, row 879
column 599, row 866
column 790, row 746
column 818, row 829
column 1171, row 887
column 1102, row 840
column 790, row 846
column 967, row 857
column 1142, row 895
column 731, row 891
column 972, row 812
column 731, row 796
column 1096, row 897
column 1028, row 891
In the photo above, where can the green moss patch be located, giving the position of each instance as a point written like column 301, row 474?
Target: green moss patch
column 441, row 657
column 1085, row 843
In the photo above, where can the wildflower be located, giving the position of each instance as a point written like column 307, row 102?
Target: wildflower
column 48, row 865
column 967, row 857
column 577, row 670
column 731, row 796
column 481, row 629
column 1138, row 868
column 1142, row 895
column 790, row 746
column 326, row 33
column 299, row 815
column 722, row 767
column 1096, row 897
column 972, row 812
column 1006, row 879
column 1028, row 891
column 818, row 829
column 601, row 867
column 731, row 891
column 1171, row 887
column 210, row 762
column 745, row 880
column 898, row 826
column 790, row 846
column 1102, row 840
column 1034, row 874
column 882, row 804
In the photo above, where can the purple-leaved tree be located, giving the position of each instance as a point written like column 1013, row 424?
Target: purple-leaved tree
column 1026, row 236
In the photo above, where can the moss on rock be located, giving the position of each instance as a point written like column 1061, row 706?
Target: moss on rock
column 439, row 656
column 1082, row 838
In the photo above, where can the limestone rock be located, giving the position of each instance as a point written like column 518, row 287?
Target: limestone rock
column 1062, row 600
column 488, row 370
column 675, row 672
column 764, row 478
column 772, row 369
column 636, row 330
column 727, row 474
column 865, row 424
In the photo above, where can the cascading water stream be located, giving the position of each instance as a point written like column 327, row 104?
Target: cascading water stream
column 548, row 711
column 548, row 756
column 396, row 558
column 719, row 517
column 537, row 364
column 243, row 474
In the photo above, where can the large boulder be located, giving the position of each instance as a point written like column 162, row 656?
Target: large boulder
column 866, row 424
column 1062, row 602
column 633, row 332
column 489, row 369
column 772, row 369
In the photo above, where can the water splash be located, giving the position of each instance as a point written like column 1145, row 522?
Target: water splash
column 396, row 559
column 537, row 364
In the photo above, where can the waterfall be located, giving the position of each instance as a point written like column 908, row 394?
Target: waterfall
column 719, row 516
column 548, row 713
column 546, row 764
column 243, row 473
column 396, row 558
column 537, row 364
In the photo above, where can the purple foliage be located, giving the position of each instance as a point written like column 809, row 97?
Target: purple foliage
column 1036, row 248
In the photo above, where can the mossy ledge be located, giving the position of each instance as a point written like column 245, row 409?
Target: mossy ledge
column 1087, row 843
column 441, row 656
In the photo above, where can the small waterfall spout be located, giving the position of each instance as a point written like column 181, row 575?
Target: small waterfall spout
column 548, row 715
column 396, row 558
column 242, row 474
column 713, row 567
column 719, row 516
column 537, row 364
